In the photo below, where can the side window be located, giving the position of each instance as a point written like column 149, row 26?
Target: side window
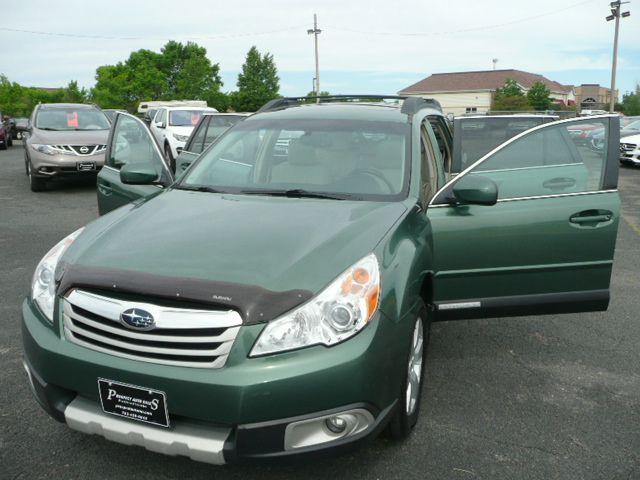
column 554, row 159
column 196, row 145
column 444, row 142
column 131, row 143
column 161, row 116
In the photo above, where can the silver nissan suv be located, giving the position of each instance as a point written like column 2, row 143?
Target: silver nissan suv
column 64, row 139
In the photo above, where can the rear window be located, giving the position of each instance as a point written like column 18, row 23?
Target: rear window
column 67, row 119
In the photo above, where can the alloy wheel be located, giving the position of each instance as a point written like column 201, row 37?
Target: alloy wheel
column 414, row 369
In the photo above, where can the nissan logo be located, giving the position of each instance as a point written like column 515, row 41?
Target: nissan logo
column 137, row 319
column 84, row 149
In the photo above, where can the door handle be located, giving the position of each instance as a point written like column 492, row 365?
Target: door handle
column 591, row 216
column 105, row 189
column 559, row 183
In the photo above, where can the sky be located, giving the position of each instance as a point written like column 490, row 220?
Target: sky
column 365, row 46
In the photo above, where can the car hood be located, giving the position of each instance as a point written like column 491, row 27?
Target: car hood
column 629, row 135
column 73, row 137
column 274, row 243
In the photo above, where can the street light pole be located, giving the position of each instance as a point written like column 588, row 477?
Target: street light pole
column 315, row 32
column 615, row 14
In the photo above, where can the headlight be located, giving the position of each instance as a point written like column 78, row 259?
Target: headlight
column 180, row 138
column 338, row 312
column 47, row 149
column 43, row 285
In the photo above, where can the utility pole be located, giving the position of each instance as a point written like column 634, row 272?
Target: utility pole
column 495, row 62
column 615, row 14
column 315, row 32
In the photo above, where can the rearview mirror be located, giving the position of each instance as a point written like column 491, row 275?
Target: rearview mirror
column 475, row 190
column 138, row 174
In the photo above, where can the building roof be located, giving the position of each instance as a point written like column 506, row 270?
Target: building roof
column 480, row 80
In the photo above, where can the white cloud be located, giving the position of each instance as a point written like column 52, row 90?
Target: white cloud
column 574, row 39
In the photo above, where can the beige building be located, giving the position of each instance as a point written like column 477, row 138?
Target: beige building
column 591, row 96
column 472, row 92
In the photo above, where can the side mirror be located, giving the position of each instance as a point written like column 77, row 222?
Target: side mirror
column 475, row 190
column 142, row 174
column 160, row 125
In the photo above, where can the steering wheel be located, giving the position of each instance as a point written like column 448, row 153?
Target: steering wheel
column 375, row 174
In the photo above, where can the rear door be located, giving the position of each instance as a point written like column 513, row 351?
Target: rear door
column 547, row 245
column 130, row 142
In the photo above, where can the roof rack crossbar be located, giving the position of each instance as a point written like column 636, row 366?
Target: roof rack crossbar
column 410, row 105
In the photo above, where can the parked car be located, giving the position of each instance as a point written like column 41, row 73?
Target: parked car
column 266, row 306
column 64, row 140
column 172, row 127
column 22, row 125
column 209, row 128
column 6, row 139
column 632, row 128
column 630, row 150
column 477, row 135
column 144, row 107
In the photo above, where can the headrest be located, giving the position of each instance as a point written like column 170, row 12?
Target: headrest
column 302, row 152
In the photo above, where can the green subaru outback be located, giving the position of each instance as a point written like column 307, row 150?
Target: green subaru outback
column 276, row 299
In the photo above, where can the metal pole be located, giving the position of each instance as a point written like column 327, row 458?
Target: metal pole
column 615, row 58
column 316, row 31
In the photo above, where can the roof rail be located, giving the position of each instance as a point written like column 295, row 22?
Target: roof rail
column 410, row 105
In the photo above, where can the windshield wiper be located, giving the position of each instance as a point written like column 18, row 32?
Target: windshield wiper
column 199, row 188
column 296, row 193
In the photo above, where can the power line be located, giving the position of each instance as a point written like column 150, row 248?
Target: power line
column 464, row 30
column 191, row 37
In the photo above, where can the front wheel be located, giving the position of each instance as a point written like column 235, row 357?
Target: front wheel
column 406, row 414
column 35, row 183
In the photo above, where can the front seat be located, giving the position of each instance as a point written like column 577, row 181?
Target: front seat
column 302, row 166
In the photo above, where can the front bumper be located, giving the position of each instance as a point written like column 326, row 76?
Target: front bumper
column 630, row 158
column 249, row 403
column 59, row 165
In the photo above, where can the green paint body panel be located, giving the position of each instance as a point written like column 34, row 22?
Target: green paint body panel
column 438, row 254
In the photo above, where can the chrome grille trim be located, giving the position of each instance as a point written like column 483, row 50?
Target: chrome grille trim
column 627, row 147
column 182, row 344
column 75, row 149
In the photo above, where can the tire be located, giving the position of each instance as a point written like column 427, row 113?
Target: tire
column 4, row 145
column 407, row 410
column 36, row 184
column 169, row 157
column 10, row 141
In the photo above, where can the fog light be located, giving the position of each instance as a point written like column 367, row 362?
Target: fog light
column 327, row 428
column 336, row 424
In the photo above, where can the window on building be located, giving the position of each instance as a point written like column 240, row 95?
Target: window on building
column 471, row 109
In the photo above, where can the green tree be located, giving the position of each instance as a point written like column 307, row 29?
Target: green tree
column 257, row 83
column 539, row 96
column 510, row 97
column 631, row 102
column 74, row 94
column 18, row 101
column 189, row 73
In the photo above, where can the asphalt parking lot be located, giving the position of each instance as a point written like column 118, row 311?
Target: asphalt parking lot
column 535, row 397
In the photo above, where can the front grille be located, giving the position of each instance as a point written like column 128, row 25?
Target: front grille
column 628, row 147
column 183, row 337
column 81, row 150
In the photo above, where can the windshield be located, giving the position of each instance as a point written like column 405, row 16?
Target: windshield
column 66, row 119
column 634, row 125
column 184, row 118
column 478, row 136
column 363, row 160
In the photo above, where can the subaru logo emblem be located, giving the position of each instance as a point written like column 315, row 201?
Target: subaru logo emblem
column 84, row 149
column 138, row 319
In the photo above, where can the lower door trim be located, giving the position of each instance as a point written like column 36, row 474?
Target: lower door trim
column 522, row 305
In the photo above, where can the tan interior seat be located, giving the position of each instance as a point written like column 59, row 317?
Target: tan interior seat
column 302, row 166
